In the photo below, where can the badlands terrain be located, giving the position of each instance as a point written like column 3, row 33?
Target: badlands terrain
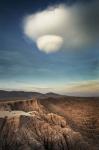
column 34, row 121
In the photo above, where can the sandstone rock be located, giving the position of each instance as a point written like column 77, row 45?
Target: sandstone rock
column 37, row 130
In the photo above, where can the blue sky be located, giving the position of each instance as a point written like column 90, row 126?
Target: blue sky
column 23, row 66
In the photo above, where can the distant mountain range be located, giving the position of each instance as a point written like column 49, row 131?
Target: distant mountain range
column 16, row 95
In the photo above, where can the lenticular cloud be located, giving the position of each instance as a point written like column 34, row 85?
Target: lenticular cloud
column 64, row 27
column 49, row 43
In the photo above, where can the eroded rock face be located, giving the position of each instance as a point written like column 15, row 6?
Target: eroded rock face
column 25, row 105
column 37, row 129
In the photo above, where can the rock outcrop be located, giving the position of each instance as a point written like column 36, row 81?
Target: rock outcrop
column 37, row 129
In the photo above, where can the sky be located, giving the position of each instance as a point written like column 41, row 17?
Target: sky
column 50, row 46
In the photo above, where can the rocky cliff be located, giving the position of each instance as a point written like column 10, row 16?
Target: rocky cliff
column 29, row 125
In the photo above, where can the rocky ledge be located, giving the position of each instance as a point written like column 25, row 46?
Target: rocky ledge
column 37, row 129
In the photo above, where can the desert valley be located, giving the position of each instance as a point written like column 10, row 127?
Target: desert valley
column 49, row 122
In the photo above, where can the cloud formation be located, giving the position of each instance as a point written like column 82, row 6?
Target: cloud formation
column 49, row 43
column 77, row 26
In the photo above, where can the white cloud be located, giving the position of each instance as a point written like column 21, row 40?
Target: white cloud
column 49, row 43
column 77, row 26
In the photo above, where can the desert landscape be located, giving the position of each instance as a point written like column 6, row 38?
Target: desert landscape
column 49, row 74
column 52, row 122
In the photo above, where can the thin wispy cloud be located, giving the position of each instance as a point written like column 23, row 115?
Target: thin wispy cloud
column 83, row 88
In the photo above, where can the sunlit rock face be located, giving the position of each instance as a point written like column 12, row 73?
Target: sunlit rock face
column 26, row 105
column 37, row 129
